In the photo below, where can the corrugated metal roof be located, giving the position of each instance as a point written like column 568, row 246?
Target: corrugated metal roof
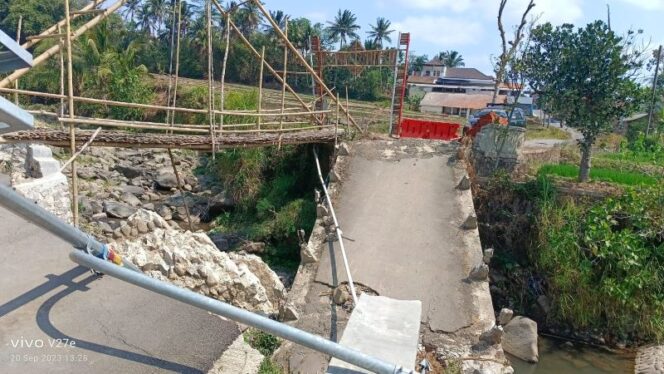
column 466, row 73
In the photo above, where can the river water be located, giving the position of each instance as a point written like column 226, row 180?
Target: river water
column 559, row 357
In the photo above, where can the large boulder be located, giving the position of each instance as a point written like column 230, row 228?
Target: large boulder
column 520, row 339
column 166, row 180
column 191, row 260
column 129, row 171
column 118, row 210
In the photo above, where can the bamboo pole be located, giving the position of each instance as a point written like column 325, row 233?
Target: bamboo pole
column 92, row 138
column 347, row 112
column 211, row 114
column 283, row 86
column 336, row 123
column 304, row 63
column 89, row 11
column 42, row 37
column 177, row 60
column 222, row 98
column 62, row 75
column 55, row 27
column 70, row 98
column 239, row 113
column 260, row 88
column 53, row 50
column 18, row 40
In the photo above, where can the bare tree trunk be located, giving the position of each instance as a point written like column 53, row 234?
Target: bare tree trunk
column 586, row 153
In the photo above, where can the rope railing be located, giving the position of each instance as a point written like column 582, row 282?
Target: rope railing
column 337, row 230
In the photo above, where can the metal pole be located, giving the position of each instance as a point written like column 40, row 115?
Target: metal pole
column 337, row 229
column 279, row 329
column 49, row 222
column 654, row 90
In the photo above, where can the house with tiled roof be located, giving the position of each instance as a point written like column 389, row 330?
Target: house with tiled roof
column 458, row 91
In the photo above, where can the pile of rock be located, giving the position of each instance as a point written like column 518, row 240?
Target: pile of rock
column 191, row 260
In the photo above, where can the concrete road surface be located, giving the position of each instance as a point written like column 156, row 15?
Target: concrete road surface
column 57, row 317
column 401, row 215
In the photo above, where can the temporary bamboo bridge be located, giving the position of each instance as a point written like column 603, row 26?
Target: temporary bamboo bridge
column 286, row 125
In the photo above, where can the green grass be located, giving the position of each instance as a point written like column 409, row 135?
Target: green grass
column 265, row 343
column 600, row 174
column 638, row 157
column 534, row 131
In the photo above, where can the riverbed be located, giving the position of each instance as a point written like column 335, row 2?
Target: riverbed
column 562, row 357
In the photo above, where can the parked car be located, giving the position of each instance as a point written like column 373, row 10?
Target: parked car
column 518, row 117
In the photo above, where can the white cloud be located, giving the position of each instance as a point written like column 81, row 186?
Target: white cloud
column 647, row 4
column 554, row 11
column 454, row 5
column 441, row 31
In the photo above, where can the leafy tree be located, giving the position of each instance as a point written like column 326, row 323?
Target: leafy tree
column 584, row 74
column 343, row 27
column 451, row 59
column 417, row 63
column 380, row 32
column 37, row 15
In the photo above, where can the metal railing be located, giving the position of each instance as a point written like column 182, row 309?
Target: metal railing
column 129, row 273
column 337, row 230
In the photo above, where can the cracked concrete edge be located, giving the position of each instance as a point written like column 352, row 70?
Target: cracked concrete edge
column 306, row 273
column 239, row 358
column 484, row 318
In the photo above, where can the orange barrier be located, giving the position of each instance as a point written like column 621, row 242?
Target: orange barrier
column 413, row 128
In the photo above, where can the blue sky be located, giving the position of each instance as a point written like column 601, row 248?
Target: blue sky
column 469, row 26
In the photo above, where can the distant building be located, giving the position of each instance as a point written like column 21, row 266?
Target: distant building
column 460, row 91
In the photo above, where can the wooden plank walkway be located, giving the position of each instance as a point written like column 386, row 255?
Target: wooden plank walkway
column 151, row 140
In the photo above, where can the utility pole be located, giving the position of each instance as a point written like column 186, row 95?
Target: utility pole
column 658, row 56
column 608, row 15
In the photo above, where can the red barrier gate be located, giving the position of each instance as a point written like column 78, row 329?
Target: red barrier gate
column 414, row 128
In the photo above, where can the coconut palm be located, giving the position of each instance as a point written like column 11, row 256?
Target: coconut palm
column 380, row 32
column 451, row 59
column 280, row 18
column 343, row 27
column 131, row 8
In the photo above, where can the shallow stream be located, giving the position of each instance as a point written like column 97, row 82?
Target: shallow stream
column 561, row 357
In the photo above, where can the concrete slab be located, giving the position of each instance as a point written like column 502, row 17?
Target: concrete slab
column 383, row 328
column 57, row 317
column 401, row 215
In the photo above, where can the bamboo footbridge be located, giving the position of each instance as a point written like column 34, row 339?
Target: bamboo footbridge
column 300, row 124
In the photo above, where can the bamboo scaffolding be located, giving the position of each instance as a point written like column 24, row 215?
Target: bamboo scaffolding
column 257, row 55
column 260, row 88
column 239, row 113
column 54, row 49
column 304, row 63
column 198, row 129
column 70, row 98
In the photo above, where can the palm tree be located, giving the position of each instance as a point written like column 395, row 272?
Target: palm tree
column 280, row 18
column 371, row 45
column 451, row 59
column 248, row 17
column 381, row 31
column 145, row 18
column 131, row 8
column 343, row 27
